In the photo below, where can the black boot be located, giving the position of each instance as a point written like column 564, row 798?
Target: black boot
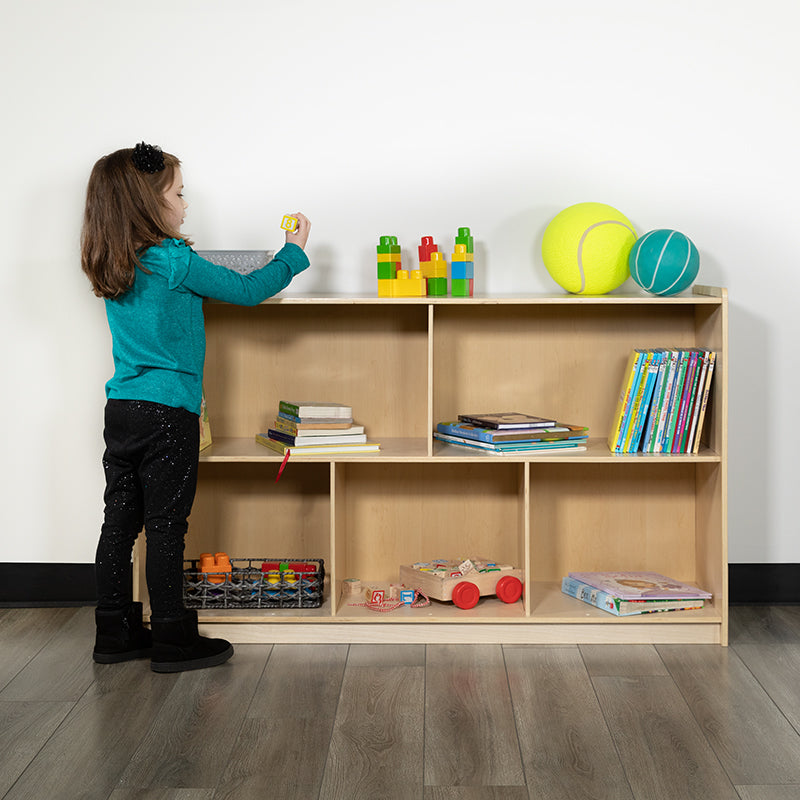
column 121, row 635
column 177, row 646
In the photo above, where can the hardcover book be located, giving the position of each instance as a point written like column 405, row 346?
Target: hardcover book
column 624, row 608
column 492, row 435
column 507, row 419
column 640, row 585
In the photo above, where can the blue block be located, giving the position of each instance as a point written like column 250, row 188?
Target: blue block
column 462, row 270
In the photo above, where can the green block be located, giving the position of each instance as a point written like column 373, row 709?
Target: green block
column 467, row 240
column 387, row 270
column 437, row 287
column 388, row 248
column 388, row 240
column 459, row 287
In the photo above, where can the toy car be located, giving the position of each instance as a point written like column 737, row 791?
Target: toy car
column 463, row 582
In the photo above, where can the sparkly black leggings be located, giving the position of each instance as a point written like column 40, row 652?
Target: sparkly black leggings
column 150, row 466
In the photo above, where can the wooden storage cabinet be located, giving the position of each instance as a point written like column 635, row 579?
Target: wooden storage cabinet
column 405, row 364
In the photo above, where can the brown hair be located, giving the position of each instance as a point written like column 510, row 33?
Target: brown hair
column 125, row 214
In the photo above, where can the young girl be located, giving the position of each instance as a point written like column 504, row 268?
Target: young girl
column 153, row 284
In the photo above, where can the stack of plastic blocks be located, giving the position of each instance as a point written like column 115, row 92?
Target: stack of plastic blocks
column 393, row 281
column 462, row 267
column 433, row 267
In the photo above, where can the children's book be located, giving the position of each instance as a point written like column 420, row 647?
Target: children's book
column 492, row 435
column 626, row 395
column 640, row 585
column 315, row 409
column 311, row 439
column 512, row 448
column 316, row 450
column 291, row 425
column 205, row 424
column 624, row 608
column 675, row 402
column 507, row 419
column 637, row 424
column 660, row 399
column 712, row 357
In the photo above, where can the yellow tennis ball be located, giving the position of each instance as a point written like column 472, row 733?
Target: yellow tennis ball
column 586, row 246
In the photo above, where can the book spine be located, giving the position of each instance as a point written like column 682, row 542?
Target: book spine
column 712, row 357
column 686, row 421
column 625, row 397
column 675, row 401
column 647, row 396
column 285, row 407
column 686, row 395
column 588, row 594
column 652, row 416
column 465, row 431
column 698, row 397
column 280, row 436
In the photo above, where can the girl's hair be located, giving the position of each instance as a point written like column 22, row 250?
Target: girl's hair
column 125, row 214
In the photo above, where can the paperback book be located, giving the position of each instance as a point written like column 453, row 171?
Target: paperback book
column 311, row 438
column 624, row 608
column 311, row 409
column 315, row 450
column 563, row 445
column 557, row 432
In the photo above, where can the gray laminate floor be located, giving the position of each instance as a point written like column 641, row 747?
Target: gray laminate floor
column 439, row 722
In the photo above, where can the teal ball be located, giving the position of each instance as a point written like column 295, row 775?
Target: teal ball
column 664, row 262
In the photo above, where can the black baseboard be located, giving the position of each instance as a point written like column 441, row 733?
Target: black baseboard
column 47, row 584
column 74, row 584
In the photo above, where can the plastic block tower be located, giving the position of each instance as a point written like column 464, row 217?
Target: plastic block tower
column 462, row 266
column 433, row 267
column 393, row 280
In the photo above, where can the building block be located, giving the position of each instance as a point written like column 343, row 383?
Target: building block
column 461, row 287
column 462, row 270
column 218, row 563
column 409, row 287
column 465, row 237
column 437, row 287
column 426, row 248
column 387, row 270
column 387, row 257
column 289, row 223
column 460, row 253
column 386, row 287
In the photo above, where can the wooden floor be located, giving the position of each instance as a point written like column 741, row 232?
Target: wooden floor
column 440, row 722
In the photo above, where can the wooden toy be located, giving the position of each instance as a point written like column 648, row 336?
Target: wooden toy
column 464, row 582
column 289, row 223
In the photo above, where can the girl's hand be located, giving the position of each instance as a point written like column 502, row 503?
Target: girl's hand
column 300, row 235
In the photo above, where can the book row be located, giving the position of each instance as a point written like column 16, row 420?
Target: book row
column 662, row 401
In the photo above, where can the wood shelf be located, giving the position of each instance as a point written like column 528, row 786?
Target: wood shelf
column 405, row 364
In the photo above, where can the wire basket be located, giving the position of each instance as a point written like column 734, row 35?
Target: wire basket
column 242, row 261
column 256, row 583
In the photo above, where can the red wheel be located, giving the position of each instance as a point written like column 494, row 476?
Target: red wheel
column 466, row 594
column 509, row 589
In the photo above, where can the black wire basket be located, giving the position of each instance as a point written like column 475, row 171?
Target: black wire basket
column 256, row 583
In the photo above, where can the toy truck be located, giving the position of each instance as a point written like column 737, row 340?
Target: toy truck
column 463, row 582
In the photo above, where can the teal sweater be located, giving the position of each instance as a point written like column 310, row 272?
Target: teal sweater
column 157, row 329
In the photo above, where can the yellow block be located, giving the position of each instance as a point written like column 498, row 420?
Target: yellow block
column 410, row 287
column 386, row 287
column 389, row 257
column 433, row 269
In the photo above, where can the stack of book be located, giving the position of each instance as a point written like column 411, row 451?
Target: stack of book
column 512, row 433
column 627, row 593
column 662, row 402
column 315, row 428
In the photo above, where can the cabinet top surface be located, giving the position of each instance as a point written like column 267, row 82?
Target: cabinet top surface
column 700, row 295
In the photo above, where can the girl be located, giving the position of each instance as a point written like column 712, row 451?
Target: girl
column 153, row 284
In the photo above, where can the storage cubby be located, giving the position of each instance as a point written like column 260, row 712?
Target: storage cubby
column 405, row 364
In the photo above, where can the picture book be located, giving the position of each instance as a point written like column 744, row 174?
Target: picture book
column 640, row 585
column 712, row 356
column 492, row 435
column 624, row 608
column 315, row 409
column 507, row 419
column 311, row 439
column 512, row 448
column 662, row 390
column 621, row 415
column 316, row 450
column 642, row 411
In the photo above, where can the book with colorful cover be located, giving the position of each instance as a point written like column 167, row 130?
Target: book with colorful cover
column 302, row 440
column 637, row 585
column 712, row 357
column 491, row 435
column 312, row 409
column 660, row 400
column 315, row 450
column 674, row 403
column 626, row 394
column 624, row 446
column 624, row 608
column 694, row 411
column 507, row 419
column 643, row 411
column 689, row 386
column 509, row 448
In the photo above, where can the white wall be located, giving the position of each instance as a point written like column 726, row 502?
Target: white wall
column 409, row 118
